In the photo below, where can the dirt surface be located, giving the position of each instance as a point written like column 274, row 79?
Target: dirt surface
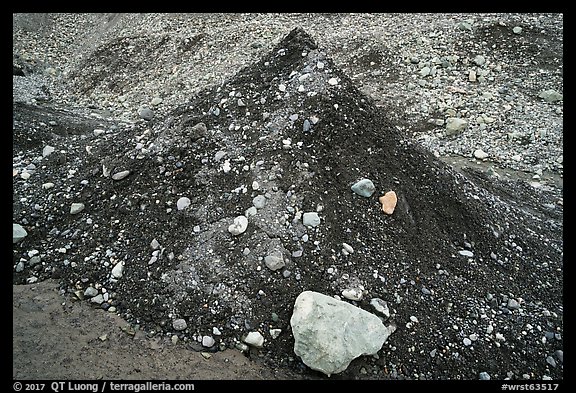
column 59, row 338
column 470, row 263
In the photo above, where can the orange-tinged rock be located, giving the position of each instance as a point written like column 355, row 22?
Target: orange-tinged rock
column 388, row 202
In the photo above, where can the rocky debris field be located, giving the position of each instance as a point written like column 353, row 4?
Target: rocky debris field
column 209, row 182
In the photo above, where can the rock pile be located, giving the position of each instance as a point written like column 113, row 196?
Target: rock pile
column 269, row 162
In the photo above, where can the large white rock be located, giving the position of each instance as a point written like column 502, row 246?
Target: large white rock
column 330, row 333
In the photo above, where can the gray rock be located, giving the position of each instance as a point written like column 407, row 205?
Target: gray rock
column 467, row 341
column 484, row 376
column 255, row 339
column 156, row 101
column 274, row 333
column 455, row 125
column 118, row 269
column 208, row 341
column 479, row 60
column 352, row 294
column 380, row 306
column 120, row 175
column 18, row 233
column 90, row 292
column 551, row 95
column 425, row 71
column 19, row 267
column 348, row 248
column 550, row 360
column 517, row 30
column 513, row 304
column 259, row 201
column 47, row 151
column 76, row 208
column 560, row 355
column 183, row 203
column 480, row 154
column 275, row 260
column 34, row 260
column 311, row 219
column 251, row 211
column 466, row 253
column 294, row 117
column 306, row 126
column 98, row 299
column 179, row 324
column 145, row 113
column 330, row 333
column 239, row 226
column 219, row 155
column 154, row 244
column 364, row 188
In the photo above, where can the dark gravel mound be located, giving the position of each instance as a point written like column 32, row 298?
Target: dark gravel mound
column 471, row 268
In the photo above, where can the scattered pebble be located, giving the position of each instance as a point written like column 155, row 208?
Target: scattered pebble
column 254, row 339
column 352, row 294
column 179, row 324
column 348, row 248
column 18, row 233
column 455, row 125
column 120, row 175
column 274, row 260
column 239, row 226
column 484, row 376
column 145, row 113
column 118, row 270
column 364, row 188
column 208, row 341
column 259, row 201
column 183, row 203
column 311, row 219
column 388, row 202
column 479, row 154
column 76, row 208
column 47, row 150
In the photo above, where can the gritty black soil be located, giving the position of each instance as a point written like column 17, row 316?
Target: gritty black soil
column 410, row 259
